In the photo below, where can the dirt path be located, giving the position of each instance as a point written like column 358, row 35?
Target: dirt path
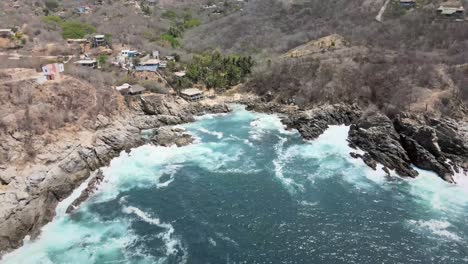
column 379, row 16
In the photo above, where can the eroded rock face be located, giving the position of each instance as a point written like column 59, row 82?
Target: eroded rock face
column 426, row 142
column 376, row 135
column 312, row 123
column 167, row 136
column 29, row 195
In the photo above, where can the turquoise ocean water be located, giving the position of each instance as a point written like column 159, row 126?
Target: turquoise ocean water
column 248, row 191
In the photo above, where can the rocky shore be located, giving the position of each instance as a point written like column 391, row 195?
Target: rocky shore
column 30, row 193
column 438, row 144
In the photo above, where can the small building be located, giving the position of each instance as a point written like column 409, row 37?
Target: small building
column 151, row 65
column 82, row 10
column 408, row 3
column 92, row 63
column 170, row 58
column 180, row 74
column 123, row 89
column 77, row 41
column 453, row 9
column 99, row 40
column 162, row 64
column 136, row 89
column 6, row 33
column 129, row 53
column 53, row 71
column 127, row 89
column 192, row 94
column 155, row 54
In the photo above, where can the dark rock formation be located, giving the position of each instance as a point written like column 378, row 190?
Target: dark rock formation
column 312, row 123
column 376, row 135
column 166, row 136
column 428, row 143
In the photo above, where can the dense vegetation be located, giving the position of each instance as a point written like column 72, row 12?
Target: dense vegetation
column 217, row 71
column 70, row 29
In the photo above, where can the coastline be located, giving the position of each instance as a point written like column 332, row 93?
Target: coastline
column 373, row 133
column 30, row 204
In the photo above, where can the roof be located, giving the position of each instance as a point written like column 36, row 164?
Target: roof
column 5, row 30
column 122, row 87
column 453, row 4
column 136, row 89
column 77, row 40
column 407, row 1
column 191, row 92
column 99, row 36
column 150, row 62
column 180, row 74
column 86, row 61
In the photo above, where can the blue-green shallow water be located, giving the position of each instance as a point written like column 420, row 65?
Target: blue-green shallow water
column 250, row 192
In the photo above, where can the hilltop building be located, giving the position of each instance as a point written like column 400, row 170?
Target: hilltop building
column 192, row 94
column 98, row 41
column 408, row 3
column 6, row 33
column 88, row 63
column 53, row 71
column 151, row 65
column 453, row 9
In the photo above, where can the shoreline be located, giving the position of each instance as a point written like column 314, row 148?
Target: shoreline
column 153, row 113
column 25, row 215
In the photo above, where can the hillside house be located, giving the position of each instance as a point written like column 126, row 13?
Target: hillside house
column 6, row 33
column 180, row 74
column 129, row 53
column 123, row 89
column 53, row 71
column 192, row 94
column 92, row 63
column 151, row 65
column 408, row 3
column 452, row 9
column 162, row 64
column 98, row 41
column 155, row 54
column 82, row 10
column 77, row 41
column 136, row 89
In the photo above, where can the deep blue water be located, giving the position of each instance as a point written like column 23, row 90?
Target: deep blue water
column 251, row 192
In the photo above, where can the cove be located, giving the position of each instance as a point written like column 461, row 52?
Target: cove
column 249, row 191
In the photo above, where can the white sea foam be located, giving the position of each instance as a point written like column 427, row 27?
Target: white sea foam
column 280, row 163
column 172, row 244
column 219, row 135
column 264, row 124
column 436, row 227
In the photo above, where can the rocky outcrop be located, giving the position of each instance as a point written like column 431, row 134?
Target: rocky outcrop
column 29, row 195
column 376, row 135
column 167, row 136
column 429, row 143
column 312, row 123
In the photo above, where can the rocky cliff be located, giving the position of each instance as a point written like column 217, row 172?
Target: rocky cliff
column 30, row 191
column 432, row 143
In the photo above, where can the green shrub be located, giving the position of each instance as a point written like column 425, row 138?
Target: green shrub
column 171, row 15
column 171, row 39
column 72, row 29
column 191, row 23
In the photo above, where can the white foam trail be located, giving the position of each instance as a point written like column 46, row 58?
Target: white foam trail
column 63, row 205
column 279, row 164
column 172, row 244
column 436, row 227
column 219, row 135
column 264, row 124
